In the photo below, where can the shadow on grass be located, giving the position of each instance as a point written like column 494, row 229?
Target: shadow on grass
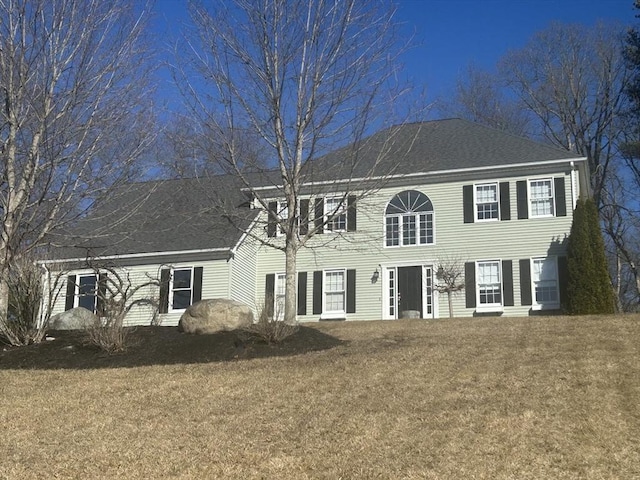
column 158, row 346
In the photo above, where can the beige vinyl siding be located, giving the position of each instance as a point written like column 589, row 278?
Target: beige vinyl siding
column 215, row 284
column 243, row 273
column 365, row 252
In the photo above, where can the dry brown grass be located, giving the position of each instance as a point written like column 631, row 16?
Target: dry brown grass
column 477, row 398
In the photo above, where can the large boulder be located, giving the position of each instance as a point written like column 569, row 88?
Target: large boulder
column 75, row 319
column 215, row 315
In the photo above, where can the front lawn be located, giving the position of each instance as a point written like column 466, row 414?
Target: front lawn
column 540, row 397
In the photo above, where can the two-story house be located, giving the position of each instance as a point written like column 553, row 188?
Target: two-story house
column 445, row 194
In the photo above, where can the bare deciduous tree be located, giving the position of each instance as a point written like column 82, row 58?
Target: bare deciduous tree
column 480, row 97
column 450, row 279
column 74, row 116
column 574, row 80
column 303, row 77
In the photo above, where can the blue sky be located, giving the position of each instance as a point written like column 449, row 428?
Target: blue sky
column 451, row 34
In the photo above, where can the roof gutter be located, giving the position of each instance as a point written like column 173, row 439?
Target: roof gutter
column 139, row 255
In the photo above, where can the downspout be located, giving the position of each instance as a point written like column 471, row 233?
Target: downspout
column 230, row 262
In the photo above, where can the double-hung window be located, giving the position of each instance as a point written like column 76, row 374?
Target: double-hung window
column 486, row 202
column 544, row 277
column 181, row 288
column 334, row 292
column 409, row 220
column 283, row 213
column 541, row 197
column 86, row 291
column 489, row 285
column 279, row 296
column 336, row 211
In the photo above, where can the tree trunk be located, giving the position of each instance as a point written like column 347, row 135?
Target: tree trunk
column 290, row 304
column 4, row 298
column 450, row 301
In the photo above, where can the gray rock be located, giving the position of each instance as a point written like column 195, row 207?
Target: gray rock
column 215, row 315
column 74, row 319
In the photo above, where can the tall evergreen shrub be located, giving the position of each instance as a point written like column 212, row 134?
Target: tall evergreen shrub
column 589, row 288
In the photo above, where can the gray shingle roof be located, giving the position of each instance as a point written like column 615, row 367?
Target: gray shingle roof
column 160, row 216
column 431, row 146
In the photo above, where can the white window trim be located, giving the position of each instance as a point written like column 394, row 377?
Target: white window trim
column 76, row 291
column 400, row 230
column 333, row 314
column 544, row 306
column 276, row 282
column 475, row 202
column 491, row 307
column 340, row 211
column 530, row 199
column 173, row 269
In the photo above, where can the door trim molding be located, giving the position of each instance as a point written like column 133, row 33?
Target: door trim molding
column 384, row 267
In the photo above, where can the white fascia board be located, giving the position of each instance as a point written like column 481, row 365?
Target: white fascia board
column 430, row 174
column 139, row 255
column 244, row 235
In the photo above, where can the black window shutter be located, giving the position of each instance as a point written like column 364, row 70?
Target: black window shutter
column 319, row 215
column 101, row 293
column 507, row 283
column 197, row 284
column 523, row 202
column 272, row 219
column 561, row 198
column 470, row 284
column 302, row 293
column 269, row 291
column 165, row 275
column 317, row 292
column 71, row 292
column 563, row 278
column 351, row 213
column 467, row 203
column 351, row 291
column 304, row 216
column 505, row 201
column 525, row 282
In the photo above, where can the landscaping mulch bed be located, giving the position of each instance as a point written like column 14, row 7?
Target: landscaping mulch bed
column 157, row 346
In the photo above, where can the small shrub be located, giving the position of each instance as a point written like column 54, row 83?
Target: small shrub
column 268, row 328
column 116, row 293
column 108, row 335
column 24, row 324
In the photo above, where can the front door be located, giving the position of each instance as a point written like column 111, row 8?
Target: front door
column 410, row 289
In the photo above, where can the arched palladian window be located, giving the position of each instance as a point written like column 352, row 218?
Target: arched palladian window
column 409, row 220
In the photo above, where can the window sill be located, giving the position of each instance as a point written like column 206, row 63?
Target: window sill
column 411, row 245
column 333, row 316
column 547, row 306
column 490, row 309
